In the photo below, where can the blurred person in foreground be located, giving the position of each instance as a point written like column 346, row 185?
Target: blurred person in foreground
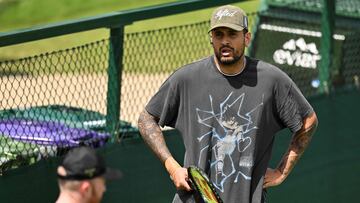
column 228, row 108
column 82, row 176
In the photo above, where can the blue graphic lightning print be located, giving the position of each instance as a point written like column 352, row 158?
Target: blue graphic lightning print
column 229, row 133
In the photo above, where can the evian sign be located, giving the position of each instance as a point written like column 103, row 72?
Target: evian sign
column 297, row 53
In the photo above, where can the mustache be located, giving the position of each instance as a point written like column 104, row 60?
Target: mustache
column 226, row 46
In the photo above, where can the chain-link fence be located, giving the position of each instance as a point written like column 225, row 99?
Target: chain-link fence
column 149, row 58
column 55, row 101
column 52, row 102
column 349, row 74
column 289, row 35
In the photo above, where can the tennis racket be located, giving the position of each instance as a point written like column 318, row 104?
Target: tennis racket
column 204, row 190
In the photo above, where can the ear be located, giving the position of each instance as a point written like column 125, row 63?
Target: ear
column 85, row 187
column 247, row 39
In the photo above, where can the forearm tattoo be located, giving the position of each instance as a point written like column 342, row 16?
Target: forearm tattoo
column 298, row 144
column 152, row 135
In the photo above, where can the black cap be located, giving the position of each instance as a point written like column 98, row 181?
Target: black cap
column 83, row 163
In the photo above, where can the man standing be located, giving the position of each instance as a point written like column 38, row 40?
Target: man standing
column 228, row 108
column 82, row 175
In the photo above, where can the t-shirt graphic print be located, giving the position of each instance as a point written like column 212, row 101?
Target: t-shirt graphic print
column 229, row 139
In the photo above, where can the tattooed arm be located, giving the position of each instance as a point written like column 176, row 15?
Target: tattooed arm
column 153, row 137
column 298, row 144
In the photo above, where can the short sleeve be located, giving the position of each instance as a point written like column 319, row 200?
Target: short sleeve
column 291, row 105
column 165, row 103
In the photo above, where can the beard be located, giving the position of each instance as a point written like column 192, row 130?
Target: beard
column 228, row 60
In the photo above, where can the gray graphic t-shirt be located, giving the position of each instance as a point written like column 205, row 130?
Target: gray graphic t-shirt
column 228, row 123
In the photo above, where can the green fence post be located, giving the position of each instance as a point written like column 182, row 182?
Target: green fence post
column 114, row 80
column 327, row 30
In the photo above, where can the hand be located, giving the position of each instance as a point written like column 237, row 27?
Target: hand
column 273, row 177
column 180, row 179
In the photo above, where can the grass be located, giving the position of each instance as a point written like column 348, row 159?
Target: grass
column 29, row 13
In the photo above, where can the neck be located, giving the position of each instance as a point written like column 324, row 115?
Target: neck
column 232, row 69
column 66, row 197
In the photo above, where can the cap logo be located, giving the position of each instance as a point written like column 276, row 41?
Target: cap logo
column 224, row 12
column 90, row 172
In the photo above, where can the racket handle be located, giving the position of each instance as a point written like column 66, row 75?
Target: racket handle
column 191, row 184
